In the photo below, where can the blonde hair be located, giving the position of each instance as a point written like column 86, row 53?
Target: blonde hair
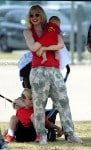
column 42, row 13
column 27, row 93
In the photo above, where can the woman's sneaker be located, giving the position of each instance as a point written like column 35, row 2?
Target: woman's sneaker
column 74, row 139
column 43, row 139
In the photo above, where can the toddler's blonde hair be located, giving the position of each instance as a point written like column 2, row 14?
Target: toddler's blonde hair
column 27, row 93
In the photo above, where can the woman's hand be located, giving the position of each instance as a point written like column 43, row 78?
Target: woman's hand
column 40, row 51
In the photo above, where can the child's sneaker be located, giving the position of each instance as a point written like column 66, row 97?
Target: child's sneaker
column 38, row 137
column 8, row 138
column 43, row 139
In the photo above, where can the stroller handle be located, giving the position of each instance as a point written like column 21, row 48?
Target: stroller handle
column 6, row 98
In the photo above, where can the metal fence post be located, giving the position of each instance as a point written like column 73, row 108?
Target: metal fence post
column 72, row 33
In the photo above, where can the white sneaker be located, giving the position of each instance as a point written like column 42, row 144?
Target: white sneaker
column 43, row 139
column 74, row 139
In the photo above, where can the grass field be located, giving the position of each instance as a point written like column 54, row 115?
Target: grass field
column 10, row 56
column 17, row 54
column 82, row 129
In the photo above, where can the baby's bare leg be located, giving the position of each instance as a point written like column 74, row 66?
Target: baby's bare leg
column 56, row 55
column 44, row 57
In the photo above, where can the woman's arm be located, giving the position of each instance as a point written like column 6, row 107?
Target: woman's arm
column 32, row 45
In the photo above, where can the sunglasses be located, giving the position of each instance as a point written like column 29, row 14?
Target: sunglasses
column 36, row 15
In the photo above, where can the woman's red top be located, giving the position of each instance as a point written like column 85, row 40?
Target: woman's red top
column 36, row 60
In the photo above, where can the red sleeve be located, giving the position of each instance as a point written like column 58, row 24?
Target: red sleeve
column 50, row 36
column 47, row 122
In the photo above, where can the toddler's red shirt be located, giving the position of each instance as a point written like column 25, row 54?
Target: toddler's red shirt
column 24, row 116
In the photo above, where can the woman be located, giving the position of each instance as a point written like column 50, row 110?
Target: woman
column 46, row 78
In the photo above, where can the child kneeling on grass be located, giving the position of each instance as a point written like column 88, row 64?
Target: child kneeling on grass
column 21, row 127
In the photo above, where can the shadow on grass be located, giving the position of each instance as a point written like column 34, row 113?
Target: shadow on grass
column 87, row 141
column 83, row 130
column 58, row 145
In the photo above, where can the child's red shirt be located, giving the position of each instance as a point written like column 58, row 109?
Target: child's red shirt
column 24, row 115
column 50, row 35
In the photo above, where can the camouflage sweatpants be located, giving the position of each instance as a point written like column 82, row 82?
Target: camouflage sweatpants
column 45, row 80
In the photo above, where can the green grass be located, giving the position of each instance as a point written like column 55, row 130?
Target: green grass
column 17, row 55
column 82, row 129
column 10, row 56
